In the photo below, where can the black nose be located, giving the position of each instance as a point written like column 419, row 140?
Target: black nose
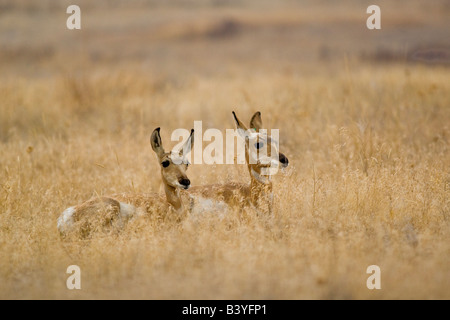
column 185, row 182
column 284, row 160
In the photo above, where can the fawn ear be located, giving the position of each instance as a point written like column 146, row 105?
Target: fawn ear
column 155, row 141
column 187, row 146
column 256, row 122
column 241, row 128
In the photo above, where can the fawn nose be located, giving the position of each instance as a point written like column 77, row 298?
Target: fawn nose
column 185, row 183
column 284, row 160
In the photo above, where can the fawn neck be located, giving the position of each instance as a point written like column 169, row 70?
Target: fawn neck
column 173, row 197
column 260, row 192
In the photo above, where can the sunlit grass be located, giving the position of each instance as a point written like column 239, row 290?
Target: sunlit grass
column 368, row 183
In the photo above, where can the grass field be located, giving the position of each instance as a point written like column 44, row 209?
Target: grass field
column 364, row 123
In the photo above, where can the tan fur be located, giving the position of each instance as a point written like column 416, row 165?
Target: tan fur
column 238, row 195
column 111, row 212
column 107, row 213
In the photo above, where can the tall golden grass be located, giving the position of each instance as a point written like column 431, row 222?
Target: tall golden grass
column 368, row 184
column 365, row 128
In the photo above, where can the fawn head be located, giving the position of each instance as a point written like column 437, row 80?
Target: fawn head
column 173, row 164
column 261, row 149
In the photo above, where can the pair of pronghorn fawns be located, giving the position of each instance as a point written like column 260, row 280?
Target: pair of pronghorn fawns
column 117, row 209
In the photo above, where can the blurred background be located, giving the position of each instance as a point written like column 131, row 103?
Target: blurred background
column 187, row 37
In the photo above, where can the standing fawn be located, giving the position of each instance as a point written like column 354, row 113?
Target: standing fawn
column 102, row 213
column 259, row 193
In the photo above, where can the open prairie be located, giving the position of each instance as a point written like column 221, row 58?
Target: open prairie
column 364, row 118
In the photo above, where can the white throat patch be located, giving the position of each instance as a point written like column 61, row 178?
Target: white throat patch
column 262, row 179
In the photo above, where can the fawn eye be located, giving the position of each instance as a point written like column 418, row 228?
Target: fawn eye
column 259, row 145
column 165, row 163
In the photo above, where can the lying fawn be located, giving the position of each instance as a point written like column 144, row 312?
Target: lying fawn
column 259, row 193
column 104, row 212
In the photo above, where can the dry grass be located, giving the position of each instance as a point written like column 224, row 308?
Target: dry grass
column 368, row 182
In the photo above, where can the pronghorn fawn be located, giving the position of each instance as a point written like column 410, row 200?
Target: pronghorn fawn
column 112, row 212
column 258, row 194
